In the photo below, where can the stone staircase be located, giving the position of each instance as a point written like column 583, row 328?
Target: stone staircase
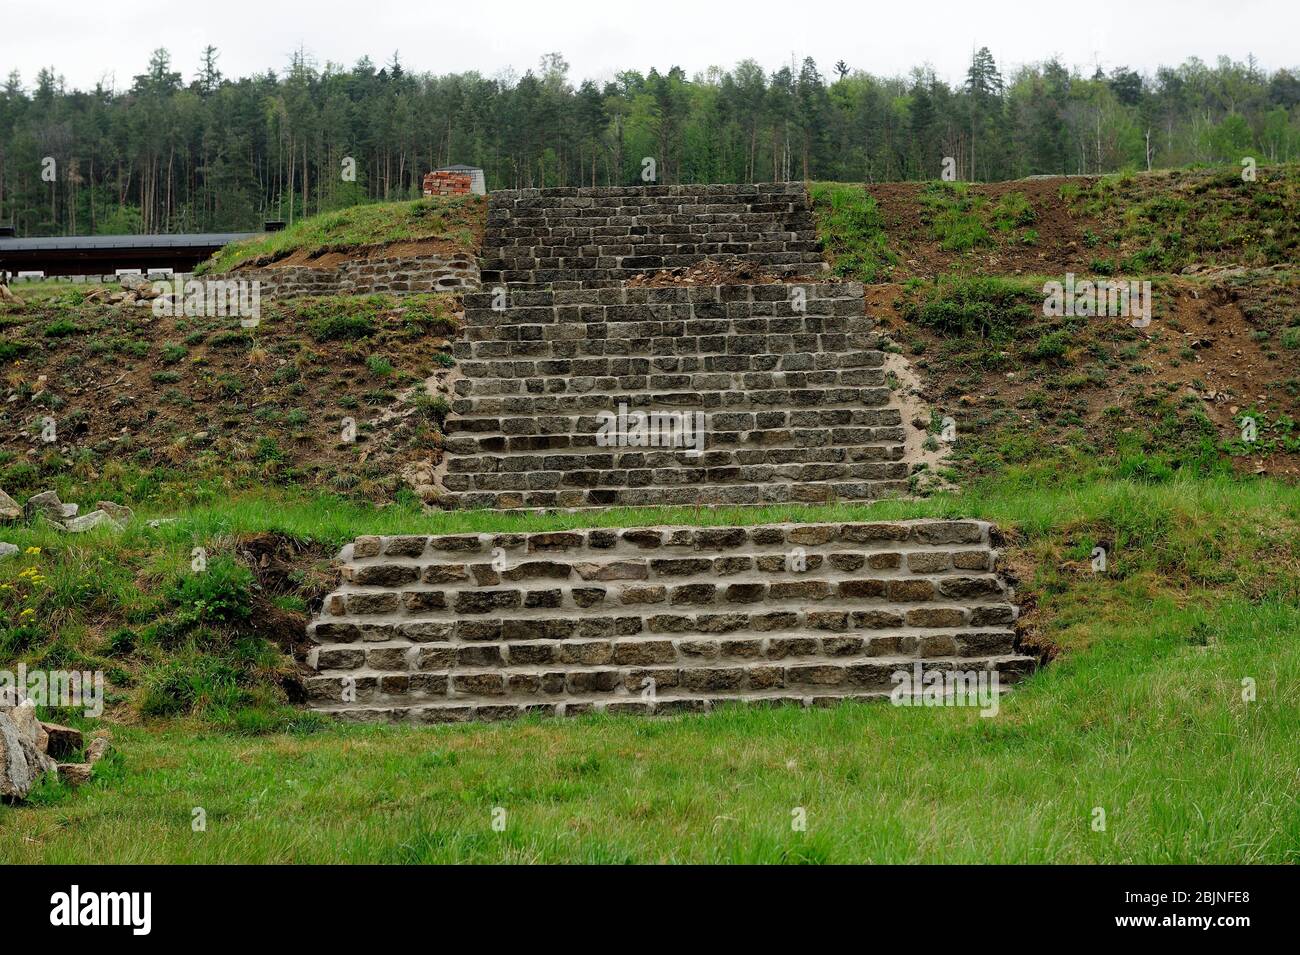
column 783, row 382
column 604, row 236
column 656, row 620
column 760, row 392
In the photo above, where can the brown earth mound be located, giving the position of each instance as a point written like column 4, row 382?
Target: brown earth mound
column 199, row 394
column 334, row 257
column 1220, row 348
column 1059, row 246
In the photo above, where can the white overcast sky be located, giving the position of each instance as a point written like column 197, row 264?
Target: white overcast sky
column 92, row 40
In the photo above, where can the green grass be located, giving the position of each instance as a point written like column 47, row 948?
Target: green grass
column 955, row 216
column 1148, row 725
column 852, row 231
column 975, row 308
column 457, row 219
column 1141, row 716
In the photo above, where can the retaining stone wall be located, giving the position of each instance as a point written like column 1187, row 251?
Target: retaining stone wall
column 395, row 276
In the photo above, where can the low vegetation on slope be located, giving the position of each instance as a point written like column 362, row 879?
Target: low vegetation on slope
column 1121, row 224
column 852, row 231
column 1039, row 397
column 1179, row 219
column 151, row 409
column 444, row 225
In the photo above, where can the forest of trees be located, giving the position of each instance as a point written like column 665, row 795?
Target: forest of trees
column 216, row 153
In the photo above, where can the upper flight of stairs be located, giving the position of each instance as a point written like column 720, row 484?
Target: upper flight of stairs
column 604, row 236
column 789, row 376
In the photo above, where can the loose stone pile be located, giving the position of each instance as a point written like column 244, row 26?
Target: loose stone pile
column 30, row 749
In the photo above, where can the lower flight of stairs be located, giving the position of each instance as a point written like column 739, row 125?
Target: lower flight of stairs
column 657, row 620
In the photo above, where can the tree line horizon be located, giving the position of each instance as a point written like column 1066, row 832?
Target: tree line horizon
column 221, row 154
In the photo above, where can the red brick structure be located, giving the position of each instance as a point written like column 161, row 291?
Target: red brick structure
column 444, row 183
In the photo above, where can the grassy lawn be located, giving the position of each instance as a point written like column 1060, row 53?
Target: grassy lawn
column 1142, row 716
column 1148, row 724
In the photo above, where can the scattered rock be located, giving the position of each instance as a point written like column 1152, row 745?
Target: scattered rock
column 21, row 763
column 61, row 741
column 70, row 510
column 75, row 774
column 10, row 510
column 7, row 550
column 160, row 521
column 96, row 750
column 87, row 522
column 120, row 513
column 47, row 505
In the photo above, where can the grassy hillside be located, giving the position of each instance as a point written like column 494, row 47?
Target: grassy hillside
column 445, row 225
column 957, row 274
column 1131, row 224
column 173, row 409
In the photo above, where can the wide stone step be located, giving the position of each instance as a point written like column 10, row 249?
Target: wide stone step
column 676, row 476
column 812, row 420
column 619, row 366
column 1010, row 670
column 595, row 403
column 500, row 454
column 775, row 445
column 538, row 683
column 702, row 382
column 815, row 296
column 622, row 304
column 752, row 336
column 712, row 495
column 715, row 351
column 794, row 646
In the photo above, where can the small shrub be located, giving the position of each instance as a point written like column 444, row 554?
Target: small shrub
column 977, row 306
column 9, row 350
column 61, row 328
column 222, row 593
column 268, row 451
column 1050, row 347
column 434, row 407
column 172, row 353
